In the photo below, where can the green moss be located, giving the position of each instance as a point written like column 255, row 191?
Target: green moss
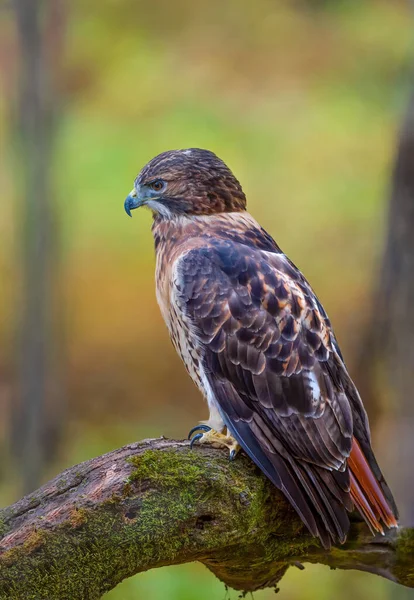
column 34, row 541
column 183, row 489
column 78, row 517
column 404, row 564
column 88, row 544
column 169, row 469
column 3, row 527
column 176, row 506
column 248, row 504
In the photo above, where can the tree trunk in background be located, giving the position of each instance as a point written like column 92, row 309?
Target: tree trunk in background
column 387, row 362
column 34, row 427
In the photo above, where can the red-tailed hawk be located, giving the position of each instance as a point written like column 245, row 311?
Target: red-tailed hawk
column 258, row 344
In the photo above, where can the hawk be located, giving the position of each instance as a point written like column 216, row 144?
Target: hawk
column 258, row 344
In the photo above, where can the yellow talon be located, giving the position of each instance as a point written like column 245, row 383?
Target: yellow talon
column 216, row 439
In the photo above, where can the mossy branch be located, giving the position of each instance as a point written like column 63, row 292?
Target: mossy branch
column 158, row 503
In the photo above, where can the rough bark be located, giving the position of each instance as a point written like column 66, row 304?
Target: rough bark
column 157, row 503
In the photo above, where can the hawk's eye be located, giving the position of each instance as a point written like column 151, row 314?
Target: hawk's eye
column 158, row 185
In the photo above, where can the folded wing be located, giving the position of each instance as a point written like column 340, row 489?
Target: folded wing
column 275, row 370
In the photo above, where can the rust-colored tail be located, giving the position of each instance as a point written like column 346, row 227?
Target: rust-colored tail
column 367, row 494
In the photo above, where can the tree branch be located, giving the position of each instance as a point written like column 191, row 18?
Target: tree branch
column 158, row 503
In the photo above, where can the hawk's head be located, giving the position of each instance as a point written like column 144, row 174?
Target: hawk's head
column 186, row 182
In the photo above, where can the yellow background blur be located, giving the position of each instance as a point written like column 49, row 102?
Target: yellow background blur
column 303, row 100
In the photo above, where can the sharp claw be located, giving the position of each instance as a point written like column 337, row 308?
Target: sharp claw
column 200, row 427
column 195, row 439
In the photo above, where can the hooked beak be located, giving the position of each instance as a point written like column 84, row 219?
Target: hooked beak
column 133, row 200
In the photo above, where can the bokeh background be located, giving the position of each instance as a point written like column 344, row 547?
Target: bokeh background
column 303, row 99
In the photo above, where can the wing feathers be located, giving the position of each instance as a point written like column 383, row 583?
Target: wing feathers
column 308, row 493
column 280, row 383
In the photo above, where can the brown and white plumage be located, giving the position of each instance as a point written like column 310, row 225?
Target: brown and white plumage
column 258, row 344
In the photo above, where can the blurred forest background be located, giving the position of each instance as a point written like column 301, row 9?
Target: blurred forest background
column 304, row 100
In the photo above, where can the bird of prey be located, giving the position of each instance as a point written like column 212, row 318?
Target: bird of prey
column 258, row 344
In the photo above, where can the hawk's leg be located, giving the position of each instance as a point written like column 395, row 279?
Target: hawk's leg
column 211, row 436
